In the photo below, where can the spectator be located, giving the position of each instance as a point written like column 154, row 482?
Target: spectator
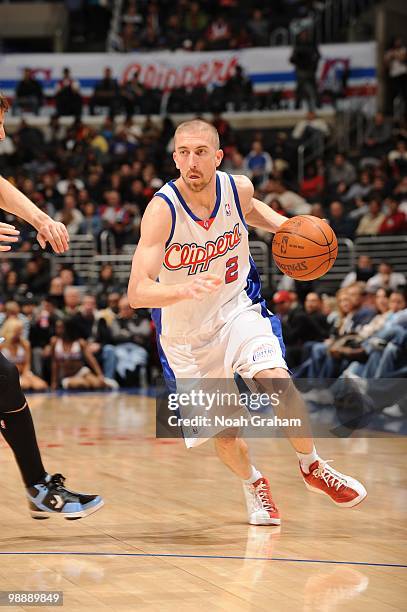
column 370, row 223
column 42, row 328
column 133, row 96
column 258, row 161
column 29, row 96
column 378, row 135
column 291, row 202
column 258, row 28
column 395, row 60
column 72, row 301
column 218, row 34
column 12, row 310
column 133, row 16
column 106, row 93
column 195, row 21
column 18, row 351
column 341, row 171
column 70, row 215
column 342, row 225
column 386, row 278
column 363, row 271
column 313, row 184
column 69, row 356
column 130, row 336
column 237, row 91
column 68, row 99
column 305, row 58
column 394, row 221
column 307, row 127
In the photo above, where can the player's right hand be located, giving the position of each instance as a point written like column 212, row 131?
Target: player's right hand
column 8, row 233
column 201, row 286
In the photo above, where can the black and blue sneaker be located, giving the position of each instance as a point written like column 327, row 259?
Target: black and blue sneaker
column 50, row 498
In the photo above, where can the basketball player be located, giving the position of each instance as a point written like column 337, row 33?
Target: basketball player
column 46, row 494
column 211, row 320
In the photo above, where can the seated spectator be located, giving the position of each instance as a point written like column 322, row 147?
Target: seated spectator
column 67, row 98
column 395, row 60
column 133, row 95
column 42, row 328
column 218, row 33
column 91, row 222
column 70, row 215
column 127, row 355
column 359, row 189
column 12, row 310
column 300, row 326
column 238, row 91
column 313, row 184
column 291, row 202
column 70, row 358
column 29, row 95
column 386, row 278
column 258, row 28
column 370, row 223
column 130, row 38
column 342, row 225
column 308, row 127
column 174, row 33
column 399, row 154
column 107, row 284
column 394, row 221
column 11, row 287
column 18, row 351
column 378, row 135
column 363, row 271
column 35, row 278
column 72, row 301
column 133, row 15
column 258, row 162
column 106, row 93
column 341, row 171
column 195, row 21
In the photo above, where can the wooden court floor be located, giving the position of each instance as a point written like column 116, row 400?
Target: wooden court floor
column 173, row 532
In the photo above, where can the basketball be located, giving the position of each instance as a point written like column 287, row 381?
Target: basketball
column 305, row 247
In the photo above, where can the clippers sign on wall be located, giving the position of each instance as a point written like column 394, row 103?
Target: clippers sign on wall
column 268, row 68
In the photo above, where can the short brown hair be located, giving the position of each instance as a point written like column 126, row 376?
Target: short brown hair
column 4, row 105
column 201, row 126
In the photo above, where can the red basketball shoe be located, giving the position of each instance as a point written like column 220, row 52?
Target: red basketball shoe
column 261, row 509
column 344, row 490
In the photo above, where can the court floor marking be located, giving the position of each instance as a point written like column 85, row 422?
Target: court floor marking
column 181, row 556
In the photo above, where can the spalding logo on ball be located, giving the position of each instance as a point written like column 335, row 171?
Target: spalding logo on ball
column 305, row 247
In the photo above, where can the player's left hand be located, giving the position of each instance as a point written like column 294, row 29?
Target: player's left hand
column 56, row 234
column 8, row 233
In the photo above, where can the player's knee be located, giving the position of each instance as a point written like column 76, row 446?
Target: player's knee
column 11, row 395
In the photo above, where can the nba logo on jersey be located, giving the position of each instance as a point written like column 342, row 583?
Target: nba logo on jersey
column 228, row 209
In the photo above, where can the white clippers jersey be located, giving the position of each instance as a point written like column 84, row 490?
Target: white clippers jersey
column 218, row 245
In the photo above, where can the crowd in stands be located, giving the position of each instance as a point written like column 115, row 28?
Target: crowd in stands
column 207, row 25
column 79, row 336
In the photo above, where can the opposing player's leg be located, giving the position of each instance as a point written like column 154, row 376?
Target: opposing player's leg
column 46, row 494
column 317, row 474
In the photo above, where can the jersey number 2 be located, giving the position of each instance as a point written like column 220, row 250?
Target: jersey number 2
column 232, row 270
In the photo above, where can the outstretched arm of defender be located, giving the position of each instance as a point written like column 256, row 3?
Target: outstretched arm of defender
column 144, row 291
column 256, row 213
column 14, row 201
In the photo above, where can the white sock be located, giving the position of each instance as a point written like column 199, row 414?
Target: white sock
column 255, row 475
column 308, row 459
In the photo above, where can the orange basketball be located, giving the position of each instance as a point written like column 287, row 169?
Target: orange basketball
column 305, row 247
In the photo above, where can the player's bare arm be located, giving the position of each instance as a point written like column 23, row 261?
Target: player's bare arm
column 256, row 213
column 144, row 291
column 15, row 202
